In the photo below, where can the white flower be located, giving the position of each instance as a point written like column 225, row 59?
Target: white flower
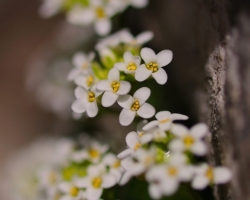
column 134, row 142
column 93, row 153
column 50, row 7
column 165, row 179
column 85, row 80
column 130, row 64
column 206, row 174
column 114, row 165
column 138, row 3
column 86, row 101
column 70, row 191
column 190, row 140
column 139, row 40
column 140, row 161
column 113, row 87
column 82, row 64
column 164, row 120
column 96, row 180
column 153, row 65
column 135, row 105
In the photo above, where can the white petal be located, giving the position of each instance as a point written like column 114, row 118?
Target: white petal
column 146, row 138
column 176, row 146
column 126, row 117
column 140, row 125
column 179, row 130
column 222, row 175
column 124, row 153
column 114, row 75
column 81, row 93
column 146, row 111
column 125, row 101
column 108, row 181
column 186, row 173
column 176, row 116
column 137, row 60
column 199, row 130
column 94, row 194
column 82, row 182
column 162, row 115
column 78, row 106
column 138, row 169
column 165, row 126
column 127, row 164
column 132, row 139
column 73, row 74
column 150, row 125
column 92, row 109
column 177, row 159
column 199, row 148
column 79, row 59
column 128, row 57
column 155, row 191
column 109, row 98
column 164, row 57
column 170, row 186
column 64, row 187
column 139, row 3
column 148, row 55
column 124, row 88
column 96, row 91
column 121, row 66
column 160, row 76
column 103, row 27
column 142, row 73
column 144, row 37
column 125, row 178
column 200, row 182
column 104, row 85
column 142, row 94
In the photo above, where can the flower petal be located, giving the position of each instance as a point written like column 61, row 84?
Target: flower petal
column 160, row 76
column 199, row 148
column 170, row 186
column 155, row 191
column 114, row 75
column 176, row 116
column 103, row 27
column 164, row 57
column 142, row 73
column 179, row 130
column 127, row 164
column 121, row 66
column 73, row 74
column 142, row 94
column 148, row 55
column 108, row 181
column 78, row 106
column 165, row 126
column 222, row 175
column 139, row 3
column 125, row 87
column 125, row 178
column 132, row 139
column 137, row 60
column 146, row 138
column 176, row 146
column 146, row 111
column 92, row 109
column 124, row 153
column 79, row 59
column 125, row 101
column 150, row 125
column 94, row 194
column 199, row 130
column 128, row 57
column 81, row 93
column 200, row 182
column 109, row 98
column 144, row 37
column 162, row 115
column 126, row 117
column 104, row 85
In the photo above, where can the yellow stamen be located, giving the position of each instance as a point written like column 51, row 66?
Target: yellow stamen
column 74, row 191
column 188, row 141
column 90, row 80
column 152, row 66
column 84, row 65
column 141, row 134
column 138, row 145
column 164, row 121
column 100, row 13
column 115, row 86
column 131, row 67
column 172, row 171
column 94, row 153
column 210, row 173
column 91, row 97
column 96, row 182
column 135, row 106
column 117, row 164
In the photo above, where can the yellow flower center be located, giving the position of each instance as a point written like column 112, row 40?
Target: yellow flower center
column 117, row 164
column 91, row 97
column 74, row 191
column 90, row 80
column 164, row 121
column 96, row 182
column 210, row 173
column 135, row 106
column 188, row 141
column 52, row 178
column 137, row 145
column 153, row 66
column 141, row 134
column 100, row 13
column 94, row 153
column 172, row 171
column 131, row 67
column 115, row 86
column 148, row 160
column 84, row 65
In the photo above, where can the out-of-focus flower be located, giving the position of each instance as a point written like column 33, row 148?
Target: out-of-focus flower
column 139, row 40
column 71, row 191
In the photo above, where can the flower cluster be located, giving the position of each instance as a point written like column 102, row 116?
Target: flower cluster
column 85, row 12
